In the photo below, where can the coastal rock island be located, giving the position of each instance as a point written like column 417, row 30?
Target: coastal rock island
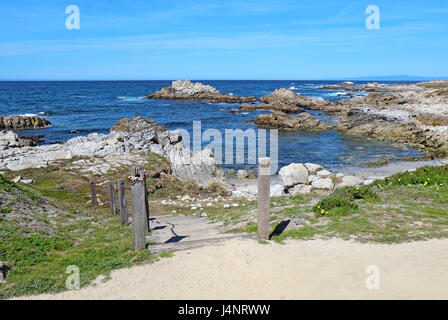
column 187, row 90
column 22, row 122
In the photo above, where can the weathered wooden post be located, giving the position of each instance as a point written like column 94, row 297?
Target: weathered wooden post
column 93, row 194
column 138, row 170
column 264, row 186
column 112, row 197
column 123, row 203
column 139, row 207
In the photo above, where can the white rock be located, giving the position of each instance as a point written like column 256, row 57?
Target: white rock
column 323, row 174
column 17, row 179
column 350, row 181
column 9, row 139
column 293, row 174
column 277, row 190
column 235, row 205
column 296, row 189
column 186, row 198
column 313, row 168
column 367, row 182
column 325, row 183
column 242, row 174
column 300, row 189
column 312, row 178
column 339, row 175
column 203, row 214
column 306, row 190
column 226, row 206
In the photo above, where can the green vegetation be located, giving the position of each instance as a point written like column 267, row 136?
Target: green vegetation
column 39, row 247
column 405, row 207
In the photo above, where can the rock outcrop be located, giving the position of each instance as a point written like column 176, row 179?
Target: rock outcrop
column 288, row 101
column 22, row 122
column 280, row 120
column 187, row 90
column 128, row 138
column 394, row 125
column 9, row 139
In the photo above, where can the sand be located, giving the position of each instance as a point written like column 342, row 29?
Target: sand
column 317, row 269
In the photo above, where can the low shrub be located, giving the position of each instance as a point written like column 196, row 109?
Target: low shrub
column 357, row 193
column 334, row 201
column 424, row 176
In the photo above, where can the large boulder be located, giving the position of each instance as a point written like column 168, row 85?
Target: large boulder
column 280, row 120
column 8, row 139
column 280, row 95
column 293, row 174
column 300, row 189
column 323, row 184
column 349, row 181
column 187, row 165
column 313, row 168
column 137, row 124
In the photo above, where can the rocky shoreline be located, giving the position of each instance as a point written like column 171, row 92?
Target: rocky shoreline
column 129, row 138
column 416, row 114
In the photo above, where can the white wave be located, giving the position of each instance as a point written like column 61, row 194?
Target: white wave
column 292, row 88
column 339, row 93
column 31, row 114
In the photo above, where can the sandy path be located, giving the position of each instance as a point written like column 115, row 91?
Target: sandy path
column 245, row 269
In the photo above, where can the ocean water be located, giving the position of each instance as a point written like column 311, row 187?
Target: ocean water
column 81, row 107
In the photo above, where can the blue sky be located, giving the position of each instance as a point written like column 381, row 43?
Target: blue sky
column 225, row 39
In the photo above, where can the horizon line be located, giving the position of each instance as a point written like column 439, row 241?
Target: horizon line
column 312, row 79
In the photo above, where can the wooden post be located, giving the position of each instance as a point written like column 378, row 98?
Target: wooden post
column 264, row 186
column 93, row 194
column 139, row 207
column 112, row 197
column 140, row 171
column 123, row 203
